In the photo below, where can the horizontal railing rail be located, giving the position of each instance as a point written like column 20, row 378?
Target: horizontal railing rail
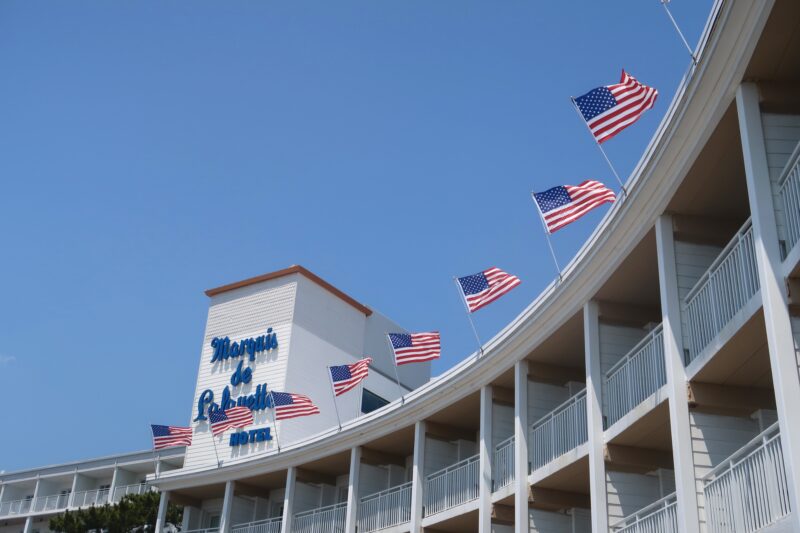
column 87, row 498
column 503, row 463
column 15, row 507
column 387, row 508
column 748, row 491
column 51, row 502
column 451, row 486
column 659, row 517
column 636, row 376
column 138, row 488
column 206, row 530
column 329, row 519
column 559, row 431
column 270, row 525
column 722, row 291
column 789, row 193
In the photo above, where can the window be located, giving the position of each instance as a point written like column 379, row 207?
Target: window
column 371, row 401
column 214, row 521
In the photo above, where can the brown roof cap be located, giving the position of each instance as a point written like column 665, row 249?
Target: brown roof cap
column 294, row 269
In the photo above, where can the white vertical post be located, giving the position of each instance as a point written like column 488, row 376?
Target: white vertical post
column 288, row 500
column 594, row 415
column 28, row 525
column 71, row 497
column 418, row 476
column 227, row 507
column 485, row 463
column 188, row 513
column 161, row 518
column 352, row 490
column 774, row 296
column 683, row 458
column 521, row 517
column 113, row 487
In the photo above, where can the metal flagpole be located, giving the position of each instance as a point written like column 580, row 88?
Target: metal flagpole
column 599, row 146
column 469, row 315
column 680, row 33
column 396, row 375
column 330, row 378
column 274, row 421
column 214, row 442
column 546, row 234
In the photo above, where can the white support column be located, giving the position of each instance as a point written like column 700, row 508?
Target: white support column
column 485, row 486
column 113, row 487
column 71, row 497
column 418, row 477
column 773, row 288
column 227, row 506
column 288, row 500
column 521, row 517
column 28, row 525
column 594, row 414
column 682, row 456
column 161, row 519
column 352, row 490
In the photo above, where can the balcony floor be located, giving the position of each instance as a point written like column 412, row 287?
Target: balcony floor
column 460, row 519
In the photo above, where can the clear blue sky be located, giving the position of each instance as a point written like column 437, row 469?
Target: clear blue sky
column 150, row 150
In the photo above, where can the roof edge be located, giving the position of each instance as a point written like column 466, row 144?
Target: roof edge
column 294, row 269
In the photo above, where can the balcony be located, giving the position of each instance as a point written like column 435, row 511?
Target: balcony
column 636, row 376
column 789, row 193
column 748, row 491
column 328, row 519
column 561, row 430
column 658, row 517
column 53, row 502
column 206, row 530
column 503, row 464
column 139, row 488
column 15, row 507
column 270, row 525
column 387, row 508
column 723, row 290
column 451, row 486
column 88, row 498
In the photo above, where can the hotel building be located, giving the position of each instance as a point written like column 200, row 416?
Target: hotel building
column 655, row 388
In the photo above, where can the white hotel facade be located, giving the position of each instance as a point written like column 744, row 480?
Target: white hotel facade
column 654, row 389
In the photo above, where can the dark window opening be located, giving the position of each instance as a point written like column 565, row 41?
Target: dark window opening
column 371, row 401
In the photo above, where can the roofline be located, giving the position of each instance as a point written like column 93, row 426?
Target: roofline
column 294, row 269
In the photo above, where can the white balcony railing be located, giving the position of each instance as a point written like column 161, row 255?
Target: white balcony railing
column 727, row 285
column 387, row 508
column 52, row 502
column 636, row 376
column 789, row 192
column 451, row 486
column 328, row 519
column 503, row 464
column 15, row 507
column 139, row 488
column 206, row 530
column 748, row 491
column 658, row 517
column 561, row 430
column 270, row 525
column 87, row 498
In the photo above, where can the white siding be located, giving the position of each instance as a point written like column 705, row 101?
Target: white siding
column 543, row 398
column 615, row 343
column 692, row 261
column 502, row 423
column 439, row 454
column 627, row 493
column 581, row 521
column 372, row 479
column 796, row 335
column 714, row 439
column 549, row 522
column 781, row 134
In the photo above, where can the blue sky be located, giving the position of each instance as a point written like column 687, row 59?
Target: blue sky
column 151, row 150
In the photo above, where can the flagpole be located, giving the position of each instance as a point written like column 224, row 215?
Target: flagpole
column 546, row 234
column 274, row 421
column 214, row 442
column 677, row 28
column 330, row 378
column 600, row 146
column 396, row 374
column 469, row 315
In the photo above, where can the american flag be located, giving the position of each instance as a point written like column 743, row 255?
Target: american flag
column 567, row 203
column 609, row 110
column 288, row 405
column 415, row 347
column 483, row 288
column 347, row 377
column 235, row 417
column 167, row 436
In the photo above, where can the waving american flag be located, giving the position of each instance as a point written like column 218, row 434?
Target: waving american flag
column 167, row 436
column 235, row 417
column 347, row 377
column 288, row 405
column 415, row 347
column 567, row 203
column 483, row 288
